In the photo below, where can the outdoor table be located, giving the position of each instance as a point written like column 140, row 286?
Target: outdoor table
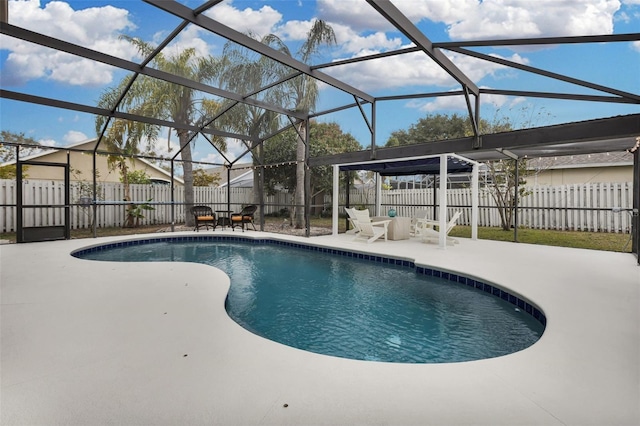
column 399, row 228
column 224, row 217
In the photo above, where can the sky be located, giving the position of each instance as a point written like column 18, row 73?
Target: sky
column 359, row 31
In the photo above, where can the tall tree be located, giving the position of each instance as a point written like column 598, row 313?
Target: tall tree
column 246, row 72
column 432, row 128
column 122, row 139
column 324, row 139
column 202, row 178
column 8, row 152
column 503, row 186
column 161, row 99
column 501, row 175
column 252, row 72
column 304, row 93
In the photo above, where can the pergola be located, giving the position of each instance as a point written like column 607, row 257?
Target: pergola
column 442, row 165
column 600, row 135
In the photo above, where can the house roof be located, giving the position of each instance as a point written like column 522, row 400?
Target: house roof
column 245, row 180
column 88, row 145
column 47, row 150
column 239, row 172
column 604, row 159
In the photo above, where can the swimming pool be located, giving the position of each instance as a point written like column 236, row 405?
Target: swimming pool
column 351, row 305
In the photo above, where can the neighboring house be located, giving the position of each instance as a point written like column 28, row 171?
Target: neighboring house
column 241, row 175
column 82, row 166
column 608, row 167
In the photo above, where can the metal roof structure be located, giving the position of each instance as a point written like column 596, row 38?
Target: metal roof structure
column 411, row 166
column 594, row 136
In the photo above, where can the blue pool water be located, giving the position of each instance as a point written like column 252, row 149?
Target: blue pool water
column 348, row 307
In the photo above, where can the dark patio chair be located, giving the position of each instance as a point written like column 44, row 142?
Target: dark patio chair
column 245, row 216
column 204, row 216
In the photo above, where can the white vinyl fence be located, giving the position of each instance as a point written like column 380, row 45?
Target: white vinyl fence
column 602, row 207
column 111, row 211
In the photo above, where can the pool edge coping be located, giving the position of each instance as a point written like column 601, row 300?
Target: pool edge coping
column 524, row 304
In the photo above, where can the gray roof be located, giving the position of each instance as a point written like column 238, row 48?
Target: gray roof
column 236, row 171
column 603, row 159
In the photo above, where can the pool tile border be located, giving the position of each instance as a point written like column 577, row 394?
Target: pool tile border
column 515, row 300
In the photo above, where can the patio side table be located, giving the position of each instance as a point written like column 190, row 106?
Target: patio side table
column 224, row 218
column 398, row 229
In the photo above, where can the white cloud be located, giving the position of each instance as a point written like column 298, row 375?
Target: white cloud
column 210, row 158
column 473, row 19
column 446, row 11
column 260, row 22
column 515, row 18
column 189, row 38
column 294, row 30
column 443, row 103
column 414, row 69
column 352, row 42
column 358, row 15
column 623, row 17
column 235, row 149
column 73, row 136
column 164, row 146
column 204, row 152
column 96, row 28
column 48, row 142
column 448, row 103
column 347, row 39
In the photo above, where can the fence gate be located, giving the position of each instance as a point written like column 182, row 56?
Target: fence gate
column 42, row 215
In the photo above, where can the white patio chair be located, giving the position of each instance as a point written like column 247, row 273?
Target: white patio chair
column 352, row 220
column 429, row 234
column 418, row 222
column 370, row 231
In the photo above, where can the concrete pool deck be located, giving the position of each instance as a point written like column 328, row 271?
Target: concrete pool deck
column 96, row 343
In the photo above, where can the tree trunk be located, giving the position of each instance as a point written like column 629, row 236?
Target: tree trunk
column 129, row 221
column 299, row 194
column 187, row 168
column 258, row 187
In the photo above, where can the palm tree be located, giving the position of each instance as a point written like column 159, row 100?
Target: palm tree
column 304, row 92
column 161, row 99
column 123, row 138
column 247, row 72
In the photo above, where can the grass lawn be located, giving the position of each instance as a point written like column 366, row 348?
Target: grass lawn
column 576, row 239
column 587, row 240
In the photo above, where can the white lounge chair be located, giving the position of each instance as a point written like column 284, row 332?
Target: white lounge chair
column 429, row 234
column 369, row 230
column 352, row 220
column 418, row 223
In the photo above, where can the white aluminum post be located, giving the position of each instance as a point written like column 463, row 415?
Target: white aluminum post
column 378, row 194
column 443, row 202
column 474, row 200
column 335, row 200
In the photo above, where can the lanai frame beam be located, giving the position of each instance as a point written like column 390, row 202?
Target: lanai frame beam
column 404, row 25
column 545, row 73
column 228, row 33
column 83, row 52
column 595, row 130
